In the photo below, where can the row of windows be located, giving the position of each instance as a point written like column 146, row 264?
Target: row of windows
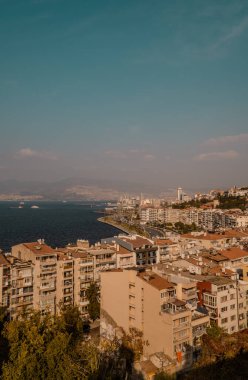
column 225, row 308
column 224, row 298
column 225, row 320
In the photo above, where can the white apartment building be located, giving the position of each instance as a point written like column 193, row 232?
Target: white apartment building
column 225, row 302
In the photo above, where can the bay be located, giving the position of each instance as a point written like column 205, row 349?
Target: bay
column 57, row 222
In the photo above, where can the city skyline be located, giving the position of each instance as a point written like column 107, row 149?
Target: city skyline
column 145, row 92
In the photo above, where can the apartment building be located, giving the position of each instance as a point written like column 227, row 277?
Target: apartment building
column 144, row 249
column 64, row 280
column 21, row 294
column 235, row 257
column 172, row 215
column 211, row 219
column 124, row 258
column 217, row 241
column 4, row 281
column 44, row 270
column 225, row 301
column 186, row 291
column 83, row 277
column 149, row 214
column 236, row 219
column 166, row 250
column 103, row 258
column 189, row 216
column 149, row 303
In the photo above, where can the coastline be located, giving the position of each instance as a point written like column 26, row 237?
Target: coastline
column 113, row 224
column 120, row 227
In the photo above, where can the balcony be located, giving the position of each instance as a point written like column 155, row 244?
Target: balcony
column 48, row 286
column 173, row 307
column 48, row 262
column 68, row 274
column 86, row 278
column 181, row 326
column 48, row 269
column 85, row 263
column 198, row 332
column 86, row 271
column 68, row 267
column 109, row 260
column 22, row 301
column 83, row 302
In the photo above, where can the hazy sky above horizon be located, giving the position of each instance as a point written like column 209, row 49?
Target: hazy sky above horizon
column 140, row 90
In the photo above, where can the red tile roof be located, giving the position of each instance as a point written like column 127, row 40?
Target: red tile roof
column 138, row 241
column 124, row 251
column 39, row 249
column 234, row 253
column 156, row 281
column 163, row 242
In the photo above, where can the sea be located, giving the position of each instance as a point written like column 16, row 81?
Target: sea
column 58, row 223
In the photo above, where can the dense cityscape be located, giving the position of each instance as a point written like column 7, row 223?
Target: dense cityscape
column 179, row 270
column 123, row 190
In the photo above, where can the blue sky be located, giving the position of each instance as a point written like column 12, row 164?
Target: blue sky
column 137, row 89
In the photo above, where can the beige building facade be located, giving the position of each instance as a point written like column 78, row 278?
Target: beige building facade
column 147, row 302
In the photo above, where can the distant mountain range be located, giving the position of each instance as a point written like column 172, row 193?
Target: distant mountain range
column 83, row 189
column 70, row 189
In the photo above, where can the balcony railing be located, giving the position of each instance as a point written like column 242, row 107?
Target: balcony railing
column 68, row 274
column 86, row 278
column 48, row 286
column 199, row 332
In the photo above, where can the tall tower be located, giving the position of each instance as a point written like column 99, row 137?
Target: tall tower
column 179, row 194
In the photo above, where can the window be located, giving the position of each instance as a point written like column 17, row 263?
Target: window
column 232, row 296
column 162, row 295
column 223, row 299
column 221, row 288
column 224, row 320
column 232, row 307
column 233, row 317
column 240, row 305
column 209, row 299
column 182, row 320
column 232, row 328
column 182, row 333
column 223, row 309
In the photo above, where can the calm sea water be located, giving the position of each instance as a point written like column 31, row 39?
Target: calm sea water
column 56, row 222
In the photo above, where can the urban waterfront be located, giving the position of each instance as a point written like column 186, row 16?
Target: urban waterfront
column 57, row 222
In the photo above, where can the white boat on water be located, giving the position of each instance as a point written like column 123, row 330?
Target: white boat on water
column 21, row 205
column 34, row 206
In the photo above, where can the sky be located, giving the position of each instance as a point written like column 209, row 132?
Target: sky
column 138, row 90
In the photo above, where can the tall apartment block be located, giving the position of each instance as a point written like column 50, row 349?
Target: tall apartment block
column 42, row 260
column 4, row 281
column 149, row 303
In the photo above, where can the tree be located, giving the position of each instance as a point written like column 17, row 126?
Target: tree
column 52, row 348
column 72, row 322
column 39, row 348
column 92, row 293
column 4, row 348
